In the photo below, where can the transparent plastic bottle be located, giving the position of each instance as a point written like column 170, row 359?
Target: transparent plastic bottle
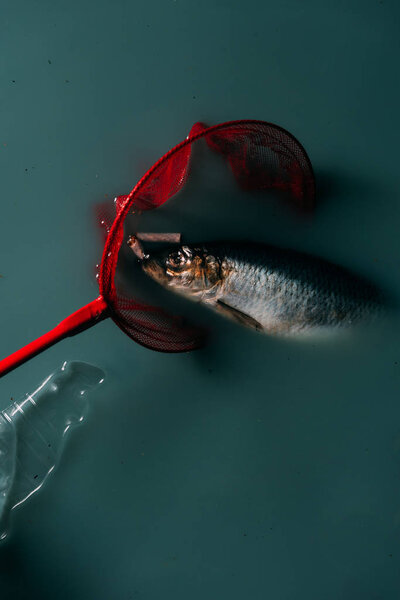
column 33, row 430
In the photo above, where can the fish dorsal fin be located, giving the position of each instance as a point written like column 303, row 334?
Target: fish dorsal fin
column 238, row 315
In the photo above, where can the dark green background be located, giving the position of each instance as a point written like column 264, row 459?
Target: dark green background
column 257, row 468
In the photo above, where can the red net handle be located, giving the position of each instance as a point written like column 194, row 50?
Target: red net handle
column 261, row 155
column 82, row 319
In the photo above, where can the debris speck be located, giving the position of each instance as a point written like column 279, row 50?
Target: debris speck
column 49, row 61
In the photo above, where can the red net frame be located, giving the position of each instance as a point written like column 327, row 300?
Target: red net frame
column 261, row 155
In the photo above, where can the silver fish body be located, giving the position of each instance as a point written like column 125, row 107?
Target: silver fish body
column 274, row 290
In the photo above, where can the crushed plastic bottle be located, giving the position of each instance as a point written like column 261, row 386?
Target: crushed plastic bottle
column 32, row 432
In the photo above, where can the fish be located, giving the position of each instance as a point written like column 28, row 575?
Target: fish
column 273, row 290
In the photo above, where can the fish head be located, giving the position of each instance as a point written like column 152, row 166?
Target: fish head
column 190, row 271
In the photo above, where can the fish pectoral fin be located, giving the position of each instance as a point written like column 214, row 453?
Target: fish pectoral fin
column 238, row 315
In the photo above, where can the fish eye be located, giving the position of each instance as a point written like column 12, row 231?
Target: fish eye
column 176, row 259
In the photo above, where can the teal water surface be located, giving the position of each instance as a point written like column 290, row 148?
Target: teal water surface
column 258, row 467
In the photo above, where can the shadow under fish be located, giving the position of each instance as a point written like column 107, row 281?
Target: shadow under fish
column 273, row 290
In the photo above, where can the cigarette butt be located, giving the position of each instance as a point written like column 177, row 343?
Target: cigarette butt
column 136, row 246
column 171, row 238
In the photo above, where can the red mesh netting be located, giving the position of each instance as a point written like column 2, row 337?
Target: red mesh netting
column 261, row 156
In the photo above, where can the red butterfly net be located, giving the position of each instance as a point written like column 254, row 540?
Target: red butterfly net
column 261, row 156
